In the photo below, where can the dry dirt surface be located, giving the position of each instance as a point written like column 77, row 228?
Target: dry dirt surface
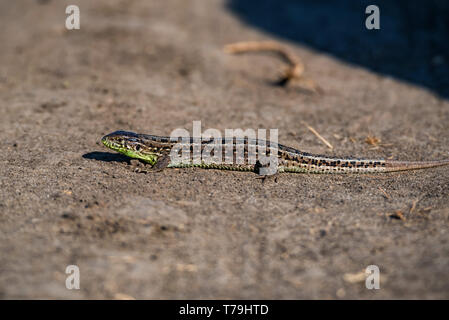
column 153, row 66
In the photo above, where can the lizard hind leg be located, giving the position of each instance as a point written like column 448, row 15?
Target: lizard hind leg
column 266, row 171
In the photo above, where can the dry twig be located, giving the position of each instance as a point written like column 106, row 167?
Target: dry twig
column 398, row 215
column 293, row 72
column 375, row 142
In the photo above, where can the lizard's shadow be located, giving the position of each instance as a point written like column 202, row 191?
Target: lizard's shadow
column 106, row 157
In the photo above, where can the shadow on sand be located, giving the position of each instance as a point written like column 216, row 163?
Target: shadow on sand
column 106, row 157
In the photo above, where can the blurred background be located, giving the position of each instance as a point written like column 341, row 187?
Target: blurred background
column 412, row 43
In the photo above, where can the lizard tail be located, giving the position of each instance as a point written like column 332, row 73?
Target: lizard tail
column 394, row 165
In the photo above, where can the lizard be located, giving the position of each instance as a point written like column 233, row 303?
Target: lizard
column 155, row 150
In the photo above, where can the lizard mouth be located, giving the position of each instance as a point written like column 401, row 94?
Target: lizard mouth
column 112, row 144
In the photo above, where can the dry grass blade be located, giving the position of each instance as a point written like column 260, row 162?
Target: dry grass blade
column 319, row 136
column 385, row 193
column 414, row 203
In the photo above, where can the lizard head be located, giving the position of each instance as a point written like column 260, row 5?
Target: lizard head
column 132, row 145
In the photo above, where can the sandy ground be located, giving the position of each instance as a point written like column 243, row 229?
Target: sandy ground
column 153, row 66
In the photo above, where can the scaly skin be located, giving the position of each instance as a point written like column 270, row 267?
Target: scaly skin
column 150, row 149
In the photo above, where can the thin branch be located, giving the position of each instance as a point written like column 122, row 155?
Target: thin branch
column 295, row 69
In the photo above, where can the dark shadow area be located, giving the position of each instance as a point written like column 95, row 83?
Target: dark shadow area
column 412, row 44
column 106, row 157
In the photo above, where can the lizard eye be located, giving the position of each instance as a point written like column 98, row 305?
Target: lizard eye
column 137, row 148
